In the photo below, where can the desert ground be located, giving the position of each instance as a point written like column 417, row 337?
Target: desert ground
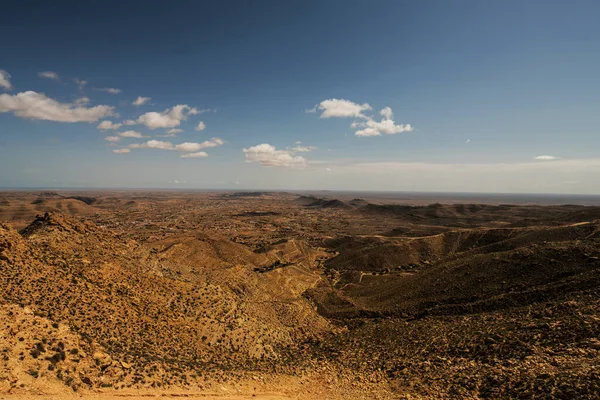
column 269, row 295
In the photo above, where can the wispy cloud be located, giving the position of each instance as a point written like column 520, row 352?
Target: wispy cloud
column 201, row 126
column 303, row 149
column 214, row 142
column 546, row 158
column 109, row 90
column 268, row 156
column 82, row 101
column 5, row 80
column 33, row 105
column 169, row 118
column 171, row 132
column 185, row 147
column 200, row 154
column 190, row 146
column 121, row 151
column 49, row 75
column 131, row 134
column 106, row 125
column 80, row 83
column 152, row 144
column 141, row 101
column 387, row 113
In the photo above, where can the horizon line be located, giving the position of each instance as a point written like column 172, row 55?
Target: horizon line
column 233, row 189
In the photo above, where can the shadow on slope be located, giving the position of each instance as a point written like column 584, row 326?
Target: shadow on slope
column 459, row 271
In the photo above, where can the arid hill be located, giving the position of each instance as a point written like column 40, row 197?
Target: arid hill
column 269, row 293
column 128, row 303
column 469, row 215
column 20, row 213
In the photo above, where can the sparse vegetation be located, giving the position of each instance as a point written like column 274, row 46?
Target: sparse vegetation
column 462, row 301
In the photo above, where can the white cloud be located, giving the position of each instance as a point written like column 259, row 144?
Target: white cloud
column 82, row 101
column 109, row 90
column 49, row 75
column 546, row 158
column 375, row 128
column 186, row 147
column 328, row 169
column 303, row 149
column 311, row 110
column 199, row 154
column 121, row 151
column 33, row 105
column 129, row 122
column 201, row 126
column 106, row 125
column 342, row 109
column 387, row 113
column 214, row 142
column 5, row 80
column 268, row 156
column 112, row 139
column 141, row 101
column 153, row 144
column 131, row 134
column 468, row 141
column 366, row 126
column 169, row 118
column 189, row 146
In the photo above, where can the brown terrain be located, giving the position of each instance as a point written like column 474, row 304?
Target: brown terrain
column 280, row 295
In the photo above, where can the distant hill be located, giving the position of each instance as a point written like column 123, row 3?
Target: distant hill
column 468, row 215
column 465, row 270
column 310, row 201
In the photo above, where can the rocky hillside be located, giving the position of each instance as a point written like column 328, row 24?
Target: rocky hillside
column 307, row 301
column 117, row 298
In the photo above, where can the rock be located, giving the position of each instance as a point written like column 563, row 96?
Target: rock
column 86, row 380
column 103, row 360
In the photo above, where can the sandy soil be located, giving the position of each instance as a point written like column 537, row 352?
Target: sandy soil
column 145, row 396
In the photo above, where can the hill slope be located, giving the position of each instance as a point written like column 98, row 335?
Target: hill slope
column 116, row 295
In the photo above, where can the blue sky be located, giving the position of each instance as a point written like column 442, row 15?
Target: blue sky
column 481, row 96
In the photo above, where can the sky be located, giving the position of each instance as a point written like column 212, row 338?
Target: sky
column 441, row 96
